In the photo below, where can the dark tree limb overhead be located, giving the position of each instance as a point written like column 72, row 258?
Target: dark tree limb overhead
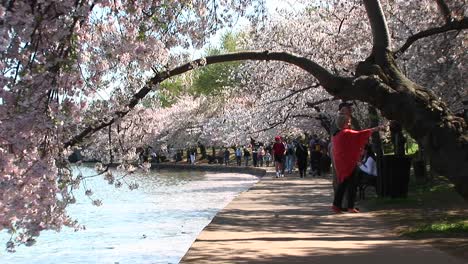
column 450, row 26
column 329, row 81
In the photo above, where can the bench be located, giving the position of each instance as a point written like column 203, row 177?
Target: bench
column 365, row 181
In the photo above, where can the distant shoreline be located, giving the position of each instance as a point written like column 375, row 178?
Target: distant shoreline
column 257, row 171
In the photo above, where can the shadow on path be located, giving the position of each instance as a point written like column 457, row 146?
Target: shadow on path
column 288, row 220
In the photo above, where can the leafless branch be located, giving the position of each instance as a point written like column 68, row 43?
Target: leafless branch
column 450, row 26
column 293, row 93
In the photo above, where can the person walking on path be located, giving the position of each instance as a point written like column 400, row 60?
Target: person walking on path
column 260, row 154
column 347, row 149
column 246, row 156
column 226, row 156
column 254, row 155
column 278, row 156
column 267, row 158
column 238, row 156
column 301, row 155
column 315, row 155
column 290, row 157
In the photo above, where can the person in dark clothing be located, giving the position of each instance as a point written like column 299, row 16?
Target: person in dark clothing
column 226, row 156
column 301, row 154
column 315, row 155
column 246, row 156
column 254, row 155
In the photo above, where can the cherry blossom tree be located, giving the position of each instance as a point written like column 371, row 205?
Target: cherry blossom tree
column 56, row 55
column 377, row 80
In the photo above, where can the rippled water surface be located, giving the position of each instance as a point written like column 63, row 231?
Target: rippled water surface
column 156, row 223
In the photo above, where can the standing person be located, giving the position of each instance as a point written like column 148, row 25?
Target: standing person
column 347, row 149
column 278, row 156
column 238, row 156
column 226, row 156
column 193, row 154
column 284, row 156
column 345, row 108
column 189, row 151
column 315, row 155
column 267, row 158
column 260, row 154
column 246, row 156
column 154, row 156
column 290, row 157
column 254, row 155
column 301, row 155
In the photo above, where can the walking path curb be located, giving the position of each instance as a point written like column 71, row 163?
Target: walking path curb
column 288, row 220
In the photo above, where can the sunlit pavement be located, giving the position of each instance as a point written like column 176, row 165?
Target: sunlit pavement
column 289, row 220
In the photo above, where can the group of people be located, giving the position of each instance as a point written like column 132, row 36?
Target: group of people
column 259, row 154
column 285, row 156
column 352, row 156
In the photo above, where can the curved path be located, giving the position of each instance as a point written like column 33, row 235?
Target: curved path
column 288, row 220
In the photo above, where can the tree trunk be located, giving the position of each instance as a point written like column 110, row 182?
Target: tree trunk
column 443, row 135
column 202, row 151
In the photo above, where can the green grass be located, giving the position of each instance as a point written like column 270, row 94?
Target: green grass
column 442, row 228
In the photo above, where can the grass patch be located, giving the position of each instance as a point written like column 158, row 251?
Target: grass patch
column 446, row 227
column 432, row 213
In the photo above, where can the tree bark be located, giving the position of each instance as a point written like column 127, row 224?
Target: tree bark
column 443, row 135
column 380, row 36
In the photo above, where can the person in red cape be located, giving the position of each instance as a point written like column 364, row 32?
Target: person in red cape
column 347, row 149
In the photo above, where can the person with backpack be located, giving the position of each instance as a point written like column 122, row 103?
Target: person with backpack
column 315, row 155
column 278, row 156
column 301, row 155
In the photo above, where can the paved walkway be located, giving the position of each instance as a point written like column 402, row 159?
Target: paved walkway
column 288, row 220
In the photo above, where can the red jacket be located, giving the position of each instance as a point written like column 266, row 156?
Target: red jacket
column 347, row 149
column 278, row 149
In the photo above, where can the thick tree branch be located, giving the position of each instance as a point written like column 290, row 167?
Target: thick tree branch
column 293, row 93
column 380, row 36
column 281, row 122
column 332, row 83
column 316, row 103
column 452, row 25
column 444, row 9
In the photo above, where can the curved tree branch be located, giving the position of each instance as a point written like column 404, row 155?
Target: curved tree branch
column 445, row 10
column 316, row 103
column 293, row 93
column 380, row 37
column 281, row 122
column 332, row 83
column 452, row 25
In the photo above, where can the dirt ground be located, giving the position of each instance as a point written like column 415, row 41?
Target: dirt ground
column 288, row 220
column 433, row 203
